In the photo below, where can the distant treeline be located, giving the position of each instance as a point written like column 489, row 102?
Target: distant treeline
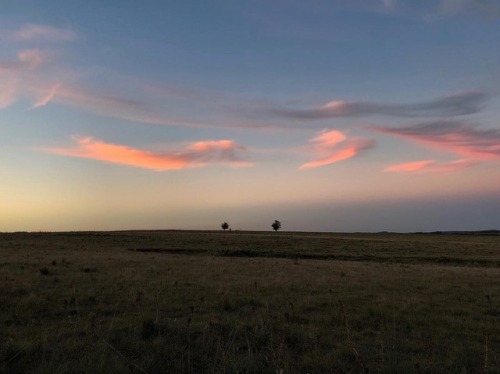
column 482, row 232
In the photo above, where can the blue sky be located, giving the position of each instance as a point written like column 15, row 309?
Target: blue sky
column 328, row 115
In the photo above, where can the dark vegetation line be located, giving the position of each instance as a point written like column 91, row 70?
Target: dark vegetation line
column 441, row 260
column 108, row 233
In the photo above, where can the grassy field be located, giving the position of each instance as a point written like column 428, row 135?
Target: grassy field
column 249, row 302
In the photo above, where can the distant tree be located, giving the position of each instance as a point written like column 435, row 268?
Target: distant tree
column 276, row 225
column 224, row 226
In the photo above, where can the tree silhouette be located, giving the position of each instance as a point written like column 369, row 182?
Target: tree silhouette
column 224, row 226
column 276, row 225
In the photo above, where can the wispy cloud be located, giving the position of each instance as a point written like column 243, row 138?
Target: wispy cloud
column 437, row 9
column 430, row 166
column 97, row 102
column 195, row 155
column 388, row 4
column 47, row 97
column 8, row 91
column 149, row 111
column 409, row 166
column 334, row 146
column 487, row 8
column 38, row 32
column 457, row 137
column 16, row 83
column 452, row 105
column 118, row 107
column 11, row 73
column 26, row 59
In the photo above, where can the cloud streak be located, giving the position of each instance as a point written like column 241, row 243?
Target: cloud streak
column 47, row 98
column 38, row 32
column 195, row 155
column 438, row 9
column 129, row 109
column 117, row 107
column 430, row 166
column 456, row 137
column 452, row 105
column 15, row 83
column 334, row 146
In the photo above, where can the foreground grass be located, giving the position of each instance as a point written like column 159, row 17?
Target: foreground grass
column 195, row 302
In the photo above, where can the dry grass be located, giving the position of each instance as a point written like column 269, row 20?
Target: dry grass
column 177, row 301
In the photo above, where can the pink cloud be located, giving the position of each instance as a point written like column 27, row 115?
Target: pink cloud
column 198, row 154
column 16, row 78
column 47, row 97
column 211, row 145
column 37, row 32
column 8, row 92
column 456, row 137
column 26, row 59
column 32, row 58
column 334, row 146
column 329, row 139
column 409, row 166
column 430, row 166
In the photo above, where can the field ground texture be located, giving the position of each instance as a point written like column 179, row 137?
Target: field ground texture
column 249, row 302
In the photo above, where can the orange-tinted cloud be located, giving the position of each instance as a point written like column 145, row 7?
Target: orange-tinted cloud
column 451, row 105
column 456, row 137
column 409, row 166
column 195, row 155
column 334, row 146
column 329, row 139
column 430, row 166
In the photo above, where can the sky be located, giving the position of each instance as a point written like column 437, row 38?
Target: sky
column 328, row 115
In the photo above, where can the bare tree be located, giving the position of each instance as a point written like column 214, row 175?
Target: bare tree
column 224, row 226
column 276, row 225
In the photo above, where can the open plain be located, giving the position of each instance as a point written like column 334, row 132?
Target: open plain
column 249, row 302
